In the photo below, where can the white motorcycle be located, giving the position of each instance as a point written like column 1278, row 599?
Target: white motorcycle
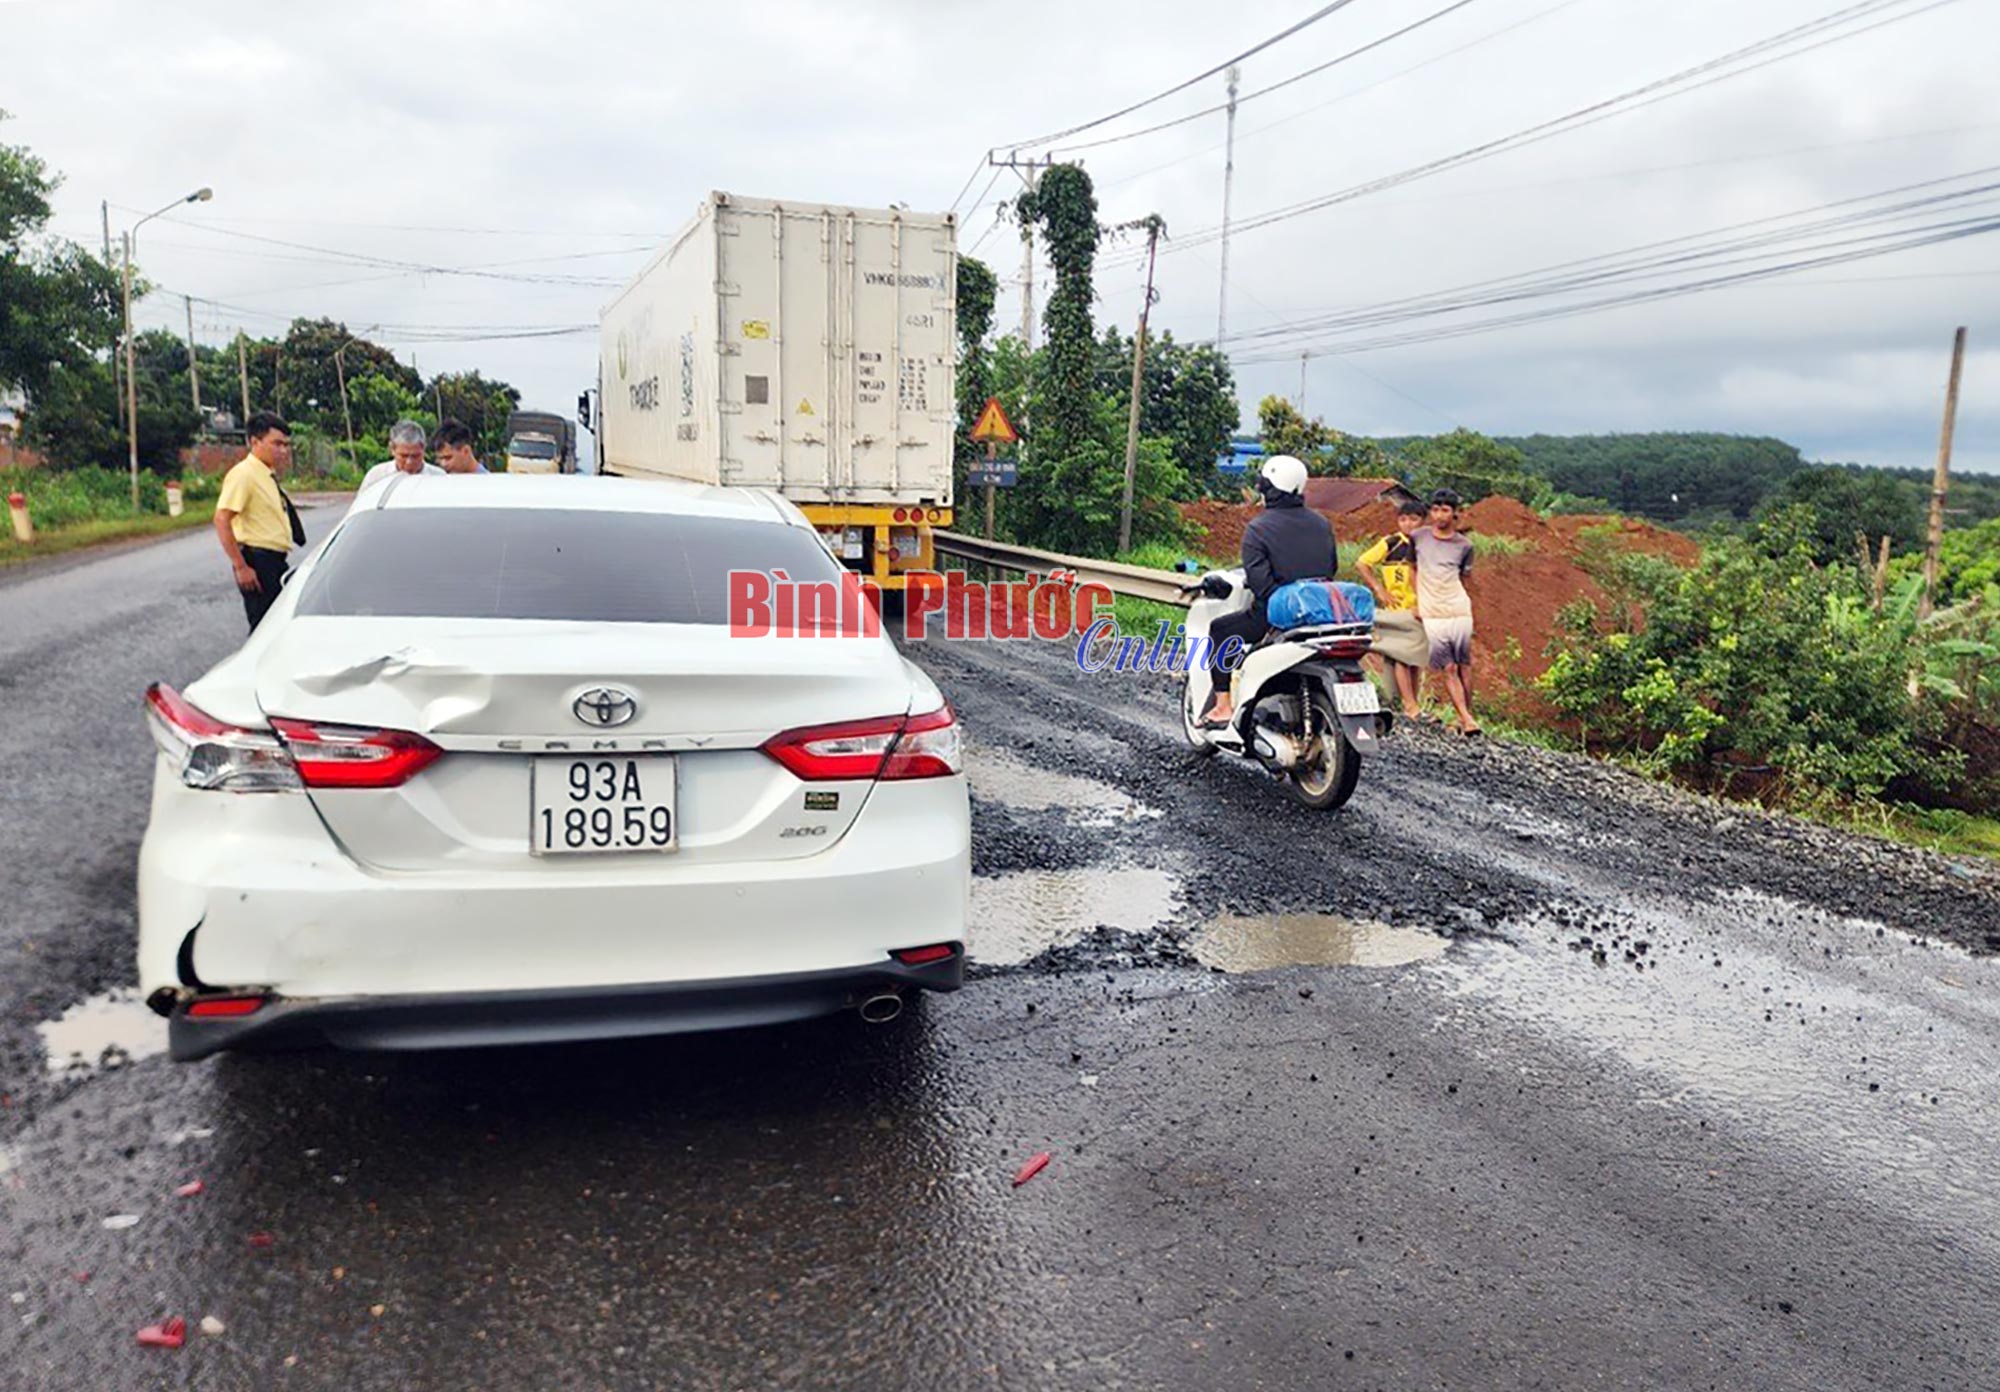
column 1303, row 706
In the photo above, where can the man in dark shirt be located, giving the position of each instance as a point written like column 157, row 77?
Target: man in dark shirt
column 1286, row 542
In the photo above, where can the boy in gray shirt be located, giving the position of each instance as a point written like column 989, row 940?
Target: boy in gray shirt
column 1444, row 559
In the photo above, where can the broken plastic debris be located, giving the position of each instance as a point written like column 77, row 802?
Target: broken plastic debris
column 188, row 1190
column 211, row 1325
column 166, row 1334
column 121, row 1220
column 377, row 1310
column 1087, row 1079
column 261, row 1239
column 1035, row 1166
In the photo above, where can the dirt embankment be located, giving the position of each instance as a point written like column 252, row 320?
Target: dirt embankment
column 1515, row 595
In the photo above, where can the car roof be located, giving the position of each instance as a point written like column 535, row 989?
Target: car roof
column 579, row 492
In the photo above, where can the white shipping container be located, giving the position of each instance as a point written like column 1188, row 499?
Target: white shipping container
column 797, row 346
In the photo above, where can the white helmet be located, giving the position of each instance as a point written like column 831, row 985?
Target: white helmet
column 1284, row 474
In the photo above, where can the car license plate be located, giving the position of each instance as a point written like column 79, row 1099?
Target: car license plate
column 582, row 805
column 1356, row 698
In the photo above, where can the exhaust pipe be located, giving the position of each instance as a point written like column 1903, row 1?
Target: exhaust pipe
column 880, row 1010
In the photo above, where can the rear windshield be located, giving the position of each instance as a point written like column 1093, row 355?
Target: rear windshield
column 532, row 449
column 556, row 563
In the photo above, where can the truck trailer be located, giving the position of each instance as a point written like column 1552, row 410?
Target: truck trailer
column 807, row 348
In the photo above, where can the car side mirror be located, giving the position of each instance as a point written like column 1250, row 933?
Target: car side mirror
column 583, row 409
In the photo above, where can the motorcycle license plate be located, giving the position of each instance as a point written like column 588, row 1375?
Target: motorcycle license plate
column 1356, row 698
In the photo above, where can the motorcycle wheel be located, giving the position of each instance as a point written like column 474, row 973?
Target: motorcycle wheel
column 1197, row 737
column 1327, row 777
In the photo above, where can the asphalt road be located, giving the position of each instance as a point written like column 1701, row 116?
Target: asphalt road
column 1663, row 1095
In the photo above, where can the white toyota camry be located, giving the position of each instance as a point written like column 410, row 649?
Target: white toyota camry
column 494, row 770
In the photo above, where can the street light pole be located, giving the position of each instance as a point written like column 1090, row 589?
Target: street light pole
column 200, row 195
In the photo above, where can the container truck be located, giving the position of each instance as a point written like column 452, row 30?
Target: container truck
column 540, row 442
column 806, row 348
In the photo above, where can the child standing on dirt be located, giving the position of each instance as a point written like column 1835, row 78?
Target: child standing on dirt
column 1389, row 569
column 1444, row 559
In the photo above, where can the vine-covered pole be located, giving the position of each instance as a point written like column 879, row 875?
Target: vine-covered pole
column 1154, row 226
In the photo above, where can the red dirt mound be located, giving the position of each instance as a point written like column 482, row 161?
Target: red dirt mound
column 1631, row 533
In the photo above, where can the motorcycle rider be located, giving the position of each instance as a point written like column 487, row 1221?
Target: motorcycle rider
column 1286, row 542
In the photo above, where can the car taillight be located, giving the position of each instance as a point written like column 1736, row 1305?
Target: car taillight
column 208, row 753
column 930, row 747
column 344, row 756
column 888, row 747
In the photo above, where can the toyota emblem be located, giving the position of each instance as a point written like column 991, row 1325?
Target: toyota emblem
column 605, row 706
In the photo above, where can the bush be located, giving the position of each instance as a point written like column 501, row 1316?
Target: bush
column 1758, row 659
column 63, row 498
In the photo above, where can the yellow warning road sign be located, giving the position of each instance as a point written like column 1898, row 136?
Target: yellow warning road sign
column 993, row 424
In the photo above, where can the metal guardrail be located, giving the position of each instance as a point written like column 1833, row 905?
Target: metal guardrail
column 1160, row 586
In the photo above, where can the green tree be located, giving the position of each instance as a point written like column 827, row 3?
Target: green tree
column 475, row 401
column 978, row 288
column 1846, row 503
column 1282, row 430
column 1473, row 465
column 58, row 304
column 1187, row 397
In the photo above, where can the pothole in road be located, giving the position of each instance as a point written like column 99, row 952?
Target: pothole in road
column 1245, row 943
column 1019, row 915
column 102, row 1032
column 1000, row 777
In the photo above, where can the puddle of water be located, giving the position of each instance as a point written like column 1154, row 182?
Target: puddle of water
column 1018, row 915
column 1245, row 943
column 107, row 1029
column 1000, row 777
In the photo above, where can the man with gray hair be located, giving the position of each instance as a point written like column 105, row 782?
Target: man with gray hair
column 406, row 455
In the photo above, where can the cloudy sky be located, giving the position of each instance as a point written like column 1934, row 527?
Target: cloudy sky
column 548, row 146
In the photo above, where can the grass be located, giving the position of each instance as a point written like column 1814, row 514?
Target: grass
column 97, row 532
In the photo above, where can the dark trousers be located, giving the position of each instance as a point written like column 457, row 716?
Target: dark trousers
column 270, row 567
column 1250, row 625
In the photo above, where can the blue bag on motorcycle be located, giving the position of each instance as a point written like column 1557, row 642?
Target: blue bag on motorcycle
column 1317, row 603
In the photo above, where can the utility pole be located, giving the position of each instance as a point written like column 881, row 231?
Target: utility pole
column 1228, row 182
column 243, row 373
column 1935, row 540
column 1030, row 170
column 340, row 375
column 131, row 391
column 1303, row 358
column 1154, row 226
column 117, row 387
column 194, row 368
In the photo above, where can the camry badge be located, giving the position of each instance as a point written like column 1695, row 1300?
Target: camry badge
column 605, row 706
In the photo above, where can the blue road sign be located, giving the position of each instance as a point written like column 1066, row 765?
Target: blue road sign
column 998, row 472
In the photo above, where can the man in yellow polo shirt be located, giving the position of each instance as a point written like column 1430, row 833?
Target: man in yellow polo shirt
column 253, row 518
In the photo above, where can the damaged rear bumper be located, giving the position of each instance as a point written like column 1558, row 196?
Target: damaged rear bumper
column 471, row 1020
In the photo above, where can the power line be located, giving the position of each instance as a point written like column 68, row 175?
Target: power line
column 1937, row 234
column 1661, row 89
column 1314, row 71
column 1645, row 259
column 1315, row 17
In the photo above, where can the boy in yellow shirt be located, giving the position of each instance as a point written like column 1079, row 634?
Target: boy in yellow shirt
column 1389, row 568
